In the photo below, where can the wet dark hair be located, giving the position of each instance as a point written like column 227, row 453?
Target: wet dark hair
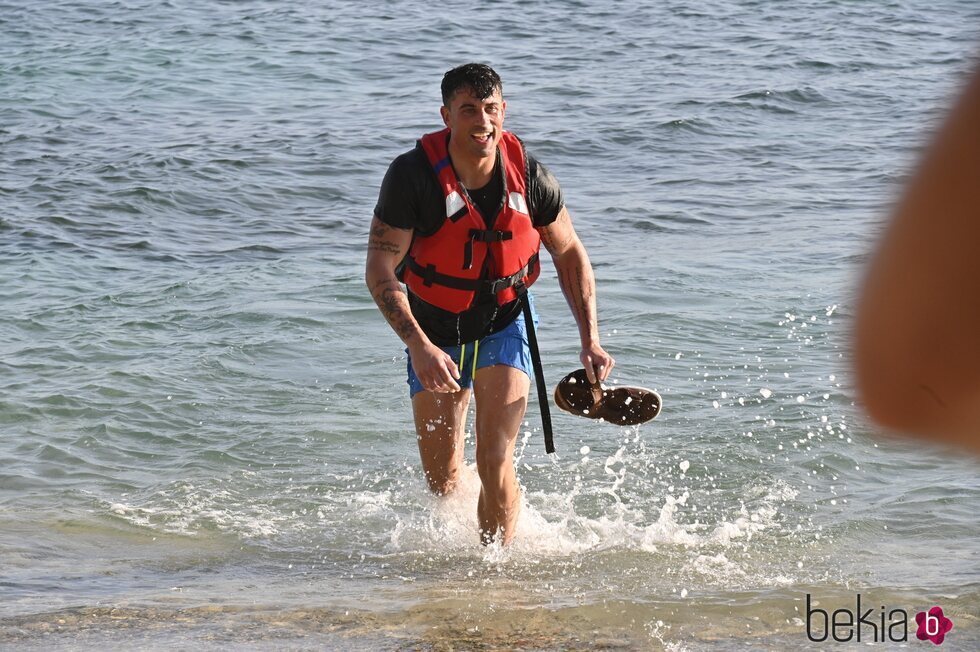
column 478, row 77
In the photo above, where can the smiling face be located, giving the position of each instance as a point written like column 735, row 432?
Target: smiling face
column 475, row 124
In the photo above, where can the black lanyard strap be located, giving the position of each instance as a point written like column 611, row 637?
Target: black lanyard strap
column 532, row 340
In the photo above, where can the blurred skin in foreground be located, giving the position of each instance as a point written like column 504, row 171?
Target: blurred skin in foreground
column 917, row 338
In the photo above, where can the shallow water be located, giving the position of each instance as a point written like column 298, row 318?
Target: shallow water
column 206, row 435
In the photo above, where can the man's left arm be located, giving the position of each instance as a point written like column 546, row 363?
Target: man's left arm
column 578, row 285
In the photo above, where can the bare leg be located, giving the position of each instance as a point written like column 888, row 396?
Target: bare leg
column 501, row 399
column 439, row 422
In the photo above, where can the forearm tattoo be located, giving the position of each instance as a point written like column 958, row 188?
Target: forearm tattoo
column 392, row 302
column 578, row 285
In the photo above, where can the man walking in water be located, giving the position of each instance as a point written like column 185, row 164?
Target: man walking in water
column 460, row 220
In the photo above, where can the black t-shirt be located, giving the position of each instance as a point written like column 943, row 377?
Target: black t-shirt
column 411, row 198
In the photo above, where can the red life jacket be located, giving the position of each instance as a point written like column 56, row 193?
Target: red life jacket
column 463, row 258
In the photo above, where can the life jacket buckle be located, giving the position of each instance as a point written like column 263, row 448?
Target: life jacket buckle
column 489, row 235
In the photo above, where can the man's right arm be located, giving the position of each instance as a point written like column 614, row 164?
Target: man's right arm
column 387, row 247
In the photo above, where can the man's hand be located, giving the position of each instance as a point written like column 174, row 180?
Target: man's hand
column 434, row 367
column 598, row 364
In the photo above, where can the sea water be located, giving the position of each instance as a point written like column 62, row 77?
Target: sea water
column 205, row 433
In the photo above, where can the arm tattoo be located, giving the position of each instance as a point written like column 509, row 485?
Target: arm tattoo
column 386, row 246
column 549, row 242
column 579, row 288
column 574, row 272
column 391, row 300
column 380, row 240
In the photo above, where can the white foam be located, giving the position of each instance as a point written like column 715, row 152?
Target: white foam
column 666, row 530
column 185, row 509
column 449, row 520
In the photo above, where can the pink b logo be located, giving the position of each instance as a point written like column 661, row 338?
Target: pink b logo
column 933, row 625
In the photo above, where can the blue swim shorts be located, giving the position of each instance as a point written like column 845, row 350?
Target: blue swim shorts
column 508, row 347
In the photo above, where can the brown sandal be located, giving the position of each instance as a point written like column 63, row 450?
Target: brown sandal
column 623, row 406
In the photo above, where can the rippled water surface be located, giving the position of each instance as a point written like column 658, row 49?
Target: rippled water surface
column 205, row 436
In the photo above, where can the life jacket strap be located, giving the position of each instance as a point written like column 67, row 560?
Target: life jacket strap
column 502, row 284
column 430, row 276
column 482, row 235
